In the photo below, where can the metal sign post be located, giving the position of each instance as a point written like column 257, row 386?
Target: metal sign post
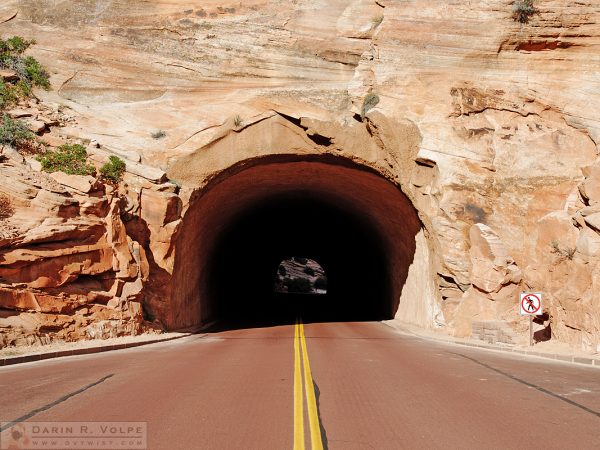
column 530, row 305
column 531, row 331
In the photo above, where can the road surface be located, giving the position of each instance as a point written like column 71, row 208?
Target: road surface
column 369, row 388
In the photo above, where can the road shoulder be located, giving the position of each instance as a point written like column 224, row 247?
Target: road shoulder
column 41, row 353
column 567, row 357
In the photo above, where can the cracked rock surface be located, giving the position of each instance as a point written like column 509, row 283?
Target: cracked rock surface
column 489, row 126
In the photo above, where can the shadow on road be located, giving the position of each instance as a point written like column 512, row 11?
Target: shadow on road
column 283, row 309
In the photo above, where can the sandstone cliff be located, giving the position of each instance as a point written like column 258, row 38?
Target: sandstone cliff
column 489, row 126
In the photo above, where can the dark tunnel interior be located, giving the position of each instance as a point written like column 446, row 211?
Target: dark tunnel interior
column 250, row 249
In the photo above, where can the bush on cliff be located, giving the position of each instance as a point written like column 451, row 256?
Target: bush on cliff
column 68, row 158
column 14, row 132
column 370, row 101
column 25, row 73
column 523, row 10
column 113, row 170
column 29, row 70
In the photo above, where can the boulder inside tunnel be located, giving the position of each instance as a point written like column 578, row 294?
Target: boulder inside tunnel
column 358, row 225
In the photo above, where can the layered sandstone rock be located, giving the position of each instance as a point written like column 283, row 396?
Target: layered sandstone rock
column 489, row 126
column 68, row 270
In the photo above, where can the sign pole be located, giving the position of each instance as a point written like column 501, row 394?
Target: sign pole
column 531, row 331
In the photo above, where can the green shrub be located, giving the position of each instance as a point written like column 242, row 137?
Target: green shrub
column 70, row 159
column 35, row 73
column 523, row 10
column 238, row 121
column 30, row 72
column 14, row 132
column 159, row 134
column 15, row 44
column 566, row 252
column 8, row 94
column 113, row 170
column 369, row 102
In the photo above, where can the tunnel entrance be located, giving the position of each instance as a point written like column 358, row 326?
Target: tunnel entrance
column 359, row 227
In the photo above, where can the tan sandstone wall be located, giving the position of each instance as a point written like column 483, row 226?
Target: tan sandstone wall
column 489, row 126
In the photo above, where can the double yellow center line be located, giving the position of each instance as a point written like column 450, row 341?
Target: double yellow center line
column 316, row 441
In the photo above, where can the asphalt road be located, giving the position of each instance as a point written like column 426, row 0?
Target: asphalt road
column 370, row 388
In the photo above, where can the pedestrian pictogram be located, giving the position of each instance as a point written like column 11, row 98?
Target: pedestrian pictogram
column 531, row 304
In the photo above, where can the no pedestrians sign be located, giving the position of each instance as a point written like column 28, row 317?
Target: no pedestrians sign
column 530, row 304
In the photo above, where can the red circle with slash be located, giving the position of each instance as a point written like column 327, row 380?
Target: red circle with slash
column 531, row 304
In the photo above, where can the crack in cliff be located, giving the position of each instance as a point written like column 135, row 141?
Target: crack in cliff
column 170, row 30
column 195, row 134
column 317, row 138
column 491, row 108
column 179, row 66
column 67, row 81
column 219, row 137
column 9, row 17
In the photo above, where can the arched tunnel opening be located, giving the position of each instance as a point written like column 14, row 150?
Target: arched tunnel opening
column 358, row 225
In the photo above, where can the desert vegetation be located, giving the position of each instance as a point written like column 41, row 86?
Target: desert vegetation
column 523, row 10
column 28, row 72
column 564, row 252
column 14, row 132
column 20, row 74
column 113, row 170
column 68, row 158
column 370, row 101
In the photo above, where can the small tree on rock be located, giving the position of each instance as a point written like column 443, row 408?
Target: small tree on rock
column 113, row 170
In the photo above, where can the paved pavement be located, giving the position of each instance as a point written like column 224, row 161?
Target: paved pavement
column 368, row 387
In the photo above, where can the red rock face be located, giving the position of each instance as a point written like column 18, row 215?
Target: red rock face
column 60, row 277
column 489, row 127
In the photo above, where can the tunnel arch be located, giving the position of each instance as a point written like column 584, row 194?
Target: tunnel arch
column 232, row 228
